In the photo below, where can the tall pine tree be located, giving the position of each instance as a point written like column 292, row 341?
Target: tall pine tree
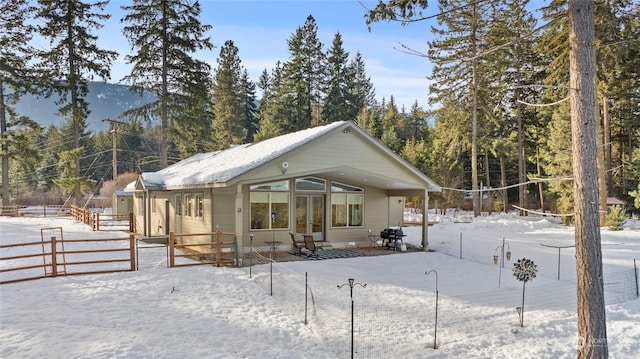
column 165, row 34
column 229, row 98
column 72, row 60
column 15, row 55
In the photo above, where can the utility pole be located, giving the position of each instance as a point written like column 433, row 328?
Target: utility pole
column 114, row 149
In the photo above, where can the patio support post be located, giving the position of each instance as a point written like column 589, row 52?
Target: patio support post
column 425, row 222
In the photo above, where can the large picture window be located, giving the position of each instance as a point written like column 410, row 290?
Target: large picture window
column 270, row 205
column 346, row 205
column 269, row 210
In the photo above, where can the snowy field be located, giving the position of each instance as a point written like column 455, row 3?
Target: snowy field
column 208, row 312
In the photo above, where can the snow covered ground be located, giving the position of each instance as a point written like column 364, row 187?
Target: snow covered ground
column 207, row 312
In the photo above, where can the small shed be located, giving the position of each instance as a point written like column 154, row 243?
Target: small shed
column 614, row 202
column 121, row 202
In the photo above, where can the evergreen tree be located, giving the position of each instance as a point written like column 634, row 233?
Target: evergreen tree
column 592, row 326
column 458, row 69
column 338, row 104
column 448, row 150
column 303, row 76
column 26, row 153
column 361, row 91
column 512, row 71
column 619, row 87
column 392, row 126
column 191, row 130
column 272, row 110
column 250, row 108
column 15, row 55
column 229, row 98
column 72, row 60
column 164, row 35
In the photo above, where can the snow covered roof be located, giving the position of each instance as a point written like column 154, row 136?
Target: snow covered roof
column 222, row 166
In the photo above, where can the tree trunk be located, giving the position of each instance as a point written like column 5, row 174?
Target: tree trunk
column 474, row 128
column 522, row 169
column 592, row 329
column 503, row 184
column 75, row 116
column 6, row 198
column 164, row 113
column 606, row 126
column 539, row 172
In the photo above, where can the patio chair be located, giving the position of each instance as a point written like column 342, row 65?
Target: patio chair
column 297, row 246
column 310, row 245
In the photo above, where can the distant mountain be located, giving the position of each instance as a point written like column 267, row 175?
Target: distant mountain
column 106, row 101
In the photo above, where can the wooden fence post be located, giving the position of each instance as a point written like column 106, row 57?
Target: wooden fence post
column 132, row 251
column 172, row 248
column 132, row 223
column 54, row 257
column 219, row 248
column 96, row 221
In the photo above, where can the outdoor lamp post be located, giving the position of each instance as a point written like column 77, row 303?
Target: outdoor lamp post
column 351, row 283
column 435, row 331
column 501, row 257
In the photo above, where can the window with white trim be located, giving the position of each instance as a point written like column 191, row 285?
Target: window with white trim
column 269, row 205
column 347, row 205
column 178, row 205
column 199, row 206
column 188, row 205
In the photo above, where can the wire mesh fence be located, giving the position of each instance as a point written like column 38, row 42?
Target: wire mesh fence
column 387, row 329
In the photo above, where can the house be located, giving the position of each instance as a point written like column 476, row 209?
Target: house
column 335, row 182
column 614, row 202
column 121, row 202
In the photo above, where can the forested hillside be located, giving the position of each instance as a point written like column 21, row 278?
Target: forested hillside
column 105, row 101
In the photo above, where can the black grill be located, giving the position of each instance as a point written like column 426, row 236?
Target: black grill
column 391, row 233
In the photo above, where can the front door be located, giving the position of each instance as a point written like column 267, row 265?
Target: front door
column 310, row 215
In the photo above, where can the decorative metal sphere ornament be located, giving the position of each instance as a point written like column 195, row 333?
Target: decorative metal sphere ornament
column 525, row 270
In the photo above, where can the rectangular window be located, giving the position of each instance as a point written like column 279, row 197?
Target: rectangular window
column 269, row 210
column 199, row 206
column 153, row 204
column 187, row 205
column 140, row 205
column 346, row 208
column 178, row 205
column 355, row 210
column 338, row 210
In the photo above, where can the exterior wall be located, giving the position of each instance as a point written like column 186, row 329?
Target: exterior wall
column 376, row 207
column 158, row 213
column 224, row 212
column 396, row 211
column 139, row 212
column 121, row 204
column 341, row 149
column 376, row 218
